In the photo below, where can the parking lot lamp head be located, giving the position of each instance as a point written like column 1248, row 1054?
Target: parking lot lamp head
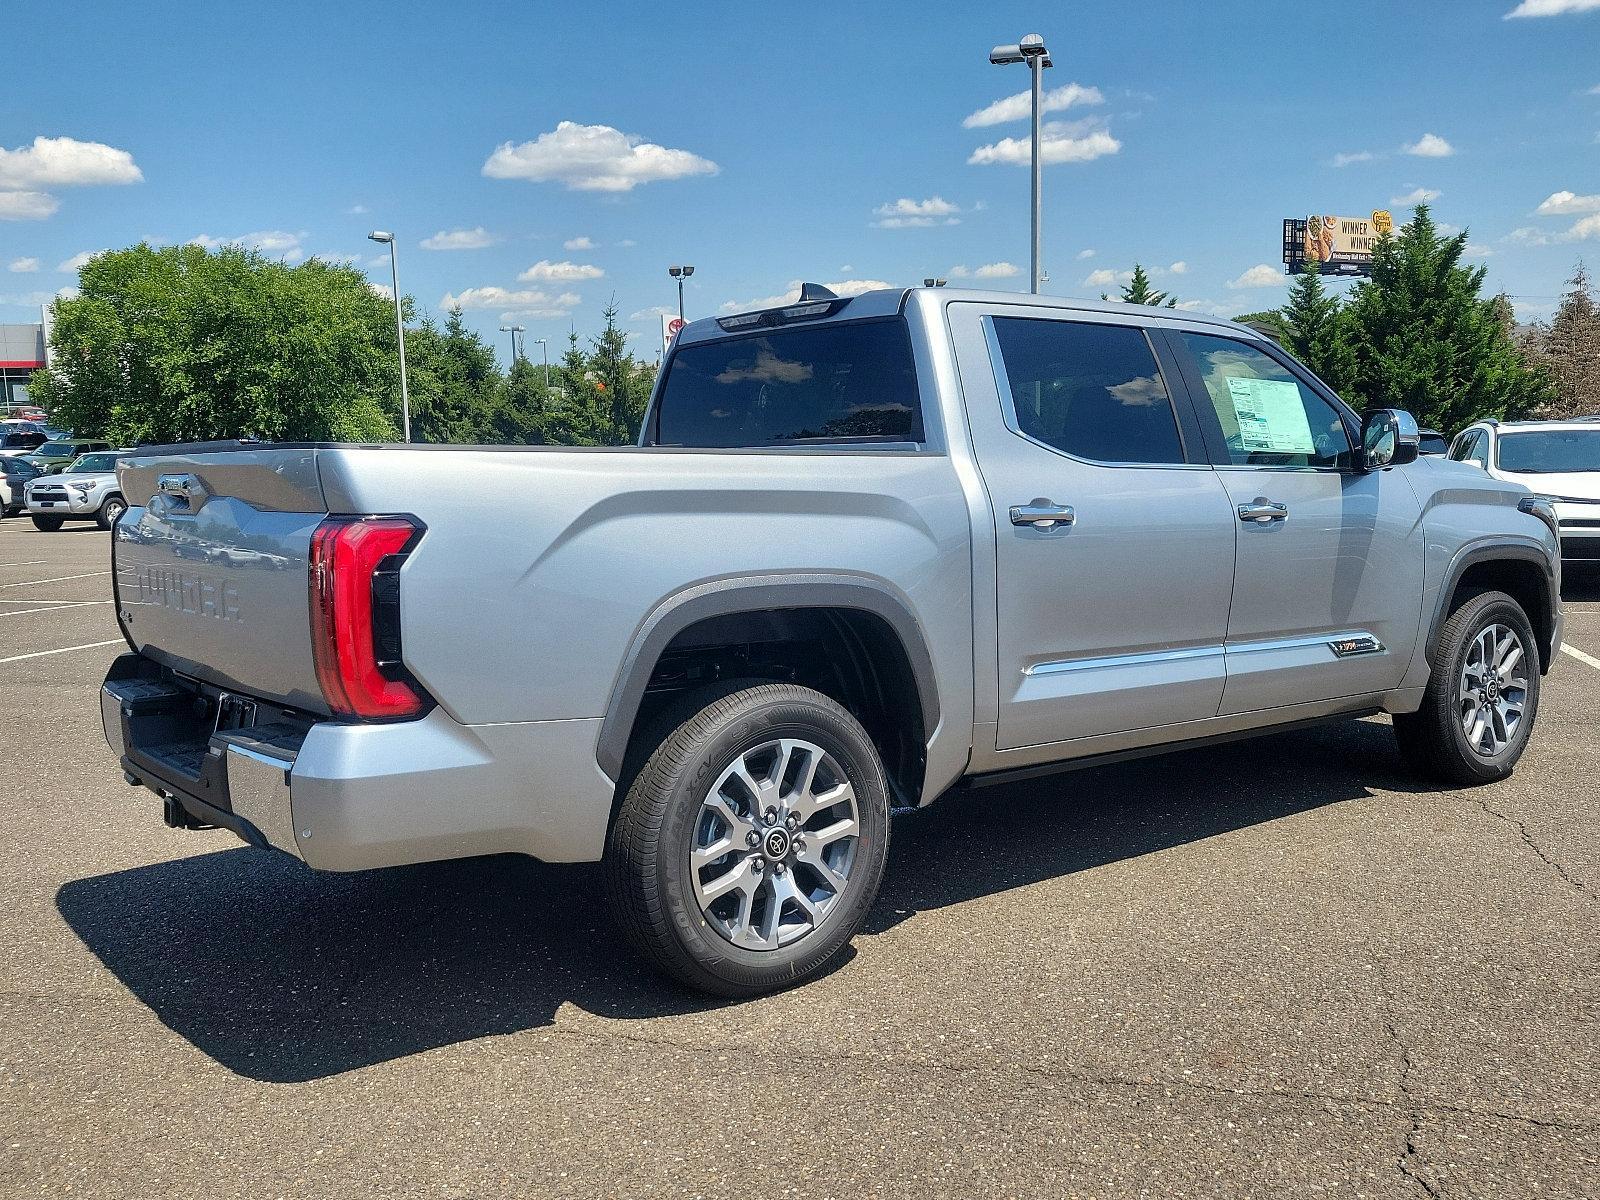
column 1031, row 50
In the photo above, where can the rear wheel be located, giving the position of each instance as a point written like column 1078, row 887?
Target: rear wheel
column 48, row 523
column 751, row 843
column 113, row 508
column 1478, row 711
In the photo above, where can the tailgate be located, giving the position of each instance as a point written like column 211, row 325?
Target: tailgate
column 211, row 567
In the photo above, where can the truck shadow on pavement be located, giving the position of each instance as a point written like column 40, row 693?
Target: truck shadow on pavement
column 285, row 976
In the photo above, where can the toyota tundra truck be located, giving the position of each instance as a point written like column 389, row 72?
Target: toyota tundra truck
column 866, row 551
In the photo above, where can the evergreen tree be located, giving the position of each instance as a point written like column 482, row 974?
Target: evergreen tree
column 455, row 383
column 1421, row 338
column 1139, row 291
column 1569, row 347
column 1315, row 330
column 616, row 375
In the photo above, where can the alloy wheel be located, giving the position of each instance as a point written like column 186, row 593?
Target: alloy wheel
column 1493, row 689
column 774, row 843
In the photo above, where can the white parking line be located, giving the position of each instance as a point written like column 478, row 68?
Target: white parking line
column 56, row 579
column 22, row 612
column 1581, row 656
column 37, row 600
column 63, row 650
column 32, row 562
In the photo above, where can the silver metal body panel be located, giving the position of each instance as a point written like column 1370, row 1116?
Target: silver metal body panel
column 526, row 598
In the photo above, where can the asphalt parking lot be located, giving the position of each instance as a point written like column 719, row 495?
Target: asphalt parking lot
column 1277, row 968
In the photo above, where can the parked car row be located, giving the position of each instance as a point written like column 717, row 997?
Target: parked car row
column 85, row 488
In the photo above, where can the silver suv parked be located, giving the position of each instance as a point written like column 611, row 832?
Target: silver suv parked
column 868, row 550
column 86, row 490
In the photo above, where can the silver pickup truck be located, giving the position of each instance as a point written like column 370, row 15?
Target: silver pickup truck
column 867, row 551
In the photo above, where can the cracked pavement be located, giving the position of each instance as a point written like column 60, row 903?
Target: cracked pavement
column 1273, row 968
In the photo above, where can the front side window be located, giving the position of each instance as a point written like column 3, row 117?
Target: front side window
column 852, row 383
column 1550, row 451
column 1091, row 390
column 1268, row 417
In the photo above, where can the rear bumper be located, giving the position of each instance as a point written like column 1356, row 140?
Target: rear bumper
column 349, row 797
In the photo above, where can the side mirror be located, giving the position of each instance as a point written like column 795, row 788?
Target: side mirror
column 1389, row 438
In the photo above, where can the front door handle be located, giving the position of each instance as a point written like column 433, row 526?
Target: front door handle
column 1263, row 511
column 1042, row 514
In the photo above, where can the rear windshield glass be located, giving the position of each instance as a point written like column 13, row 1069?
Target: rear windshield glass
column 1550, row 452
column 825, row 383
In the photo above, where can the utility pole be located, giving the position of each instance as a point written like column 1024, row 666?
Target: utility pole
column 1031, row 50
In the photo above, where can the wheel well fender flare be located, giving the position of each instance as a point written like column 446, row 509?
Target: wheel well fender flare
column 1495, row 551
column 724, row 597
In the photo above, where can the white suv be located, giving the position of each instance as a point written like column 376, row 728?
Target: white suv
column 1558, row 459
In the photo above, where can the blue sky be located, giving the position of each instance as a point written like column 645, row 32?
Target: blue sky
column 766, row 143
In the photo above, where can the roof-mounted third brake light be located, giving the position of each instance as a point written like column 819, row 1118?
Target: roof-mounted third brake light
column 815, row 302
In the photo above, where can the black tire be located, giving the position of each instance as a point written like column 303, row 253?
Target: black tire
column 1432, row 740
column 48, row 524
column 648, row 871
column 110, row 509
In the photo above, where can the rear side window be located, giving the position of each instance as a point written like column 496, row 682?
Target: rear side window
column 824, row 383
column 1091, row 390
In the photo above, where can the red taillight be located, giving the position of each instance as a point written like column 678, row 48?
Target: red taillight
column 355, row 617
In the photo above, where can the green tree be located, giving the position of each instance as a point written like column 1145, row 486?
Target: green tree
column 1315, row 330
column 1569, row 348
column 1269, row 320
column 1421, row 338
column 622, row 389
column 456, row 386
column 182, row 344
column 1139, row 291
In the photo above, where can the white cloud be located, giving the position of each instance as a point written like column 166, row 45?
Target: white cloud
column 27, row 299
column 626, row 242
column 958, row 272
column 1430, row 145
column 997, row 270
column 578, row 243
column 65, row 162
column 274, row 243
column 1589, row 227
column 382, row 289
column 1419, row 195
column 1568, row 203
column 1473, row 250
column 67, row 293
column 1105, row 277
column 475, row 238
column 1179, row 268
column 1594, row 91
column 593, row 158
column 1060, row 142
column 525, row 301
column 653, row 313
column 906, row 213
column 1083, row 254
column 1354, row 156
column 844, row 287
column 78, row 261
column 559, row 272
column 27, row 206
column 846, row 269
column 1260, row 275
column 21, row 265
column 357, row 210
column 1527, row 235
column 1019, row 106
column 1551, row 8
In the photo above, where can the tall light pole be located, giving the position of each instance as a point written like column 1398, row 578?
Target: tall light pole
column 382, row 235
column 680, row 274
column 513, row 330
column 1031, row 50
column 543, row 342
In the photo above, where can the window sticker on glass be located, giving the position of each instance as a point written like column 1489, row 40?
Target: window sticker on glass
column 1271, row 416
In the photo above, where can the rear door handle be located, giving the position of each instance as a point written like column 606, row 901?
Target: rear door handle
column 1042, row 514
column 1263, row 511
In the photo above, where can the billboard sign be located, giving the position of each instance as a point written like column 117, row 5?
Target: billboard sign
column 1343, row 245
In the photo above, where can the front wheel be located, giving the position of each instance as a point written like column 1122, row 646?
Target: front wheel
column 751, row 843
column 48, row 524
column 113, row 508
column 1478, row 711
